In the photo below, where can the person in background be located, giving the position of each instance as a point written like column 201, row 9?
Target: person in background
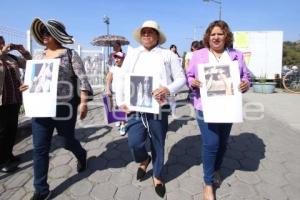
column 52, row 35
column 196, row 45
column 10, row 101
column 173, row 48
column 150, row 59
column 218, row 40
column 111, row 86
column 116, row 48
column 172, row 99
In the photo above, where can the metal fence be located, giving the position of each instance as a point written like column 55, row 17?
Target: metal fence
column 93, row 60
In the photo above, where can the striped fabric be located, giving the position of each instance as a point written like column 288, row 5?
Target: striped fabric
column 55, row 28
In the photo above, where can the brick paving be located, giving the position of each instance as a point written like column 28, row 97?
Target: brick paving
column 262, row 161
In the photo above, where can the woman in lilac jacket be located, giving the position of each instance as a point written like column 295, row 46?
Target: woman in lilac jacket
column 218, row 41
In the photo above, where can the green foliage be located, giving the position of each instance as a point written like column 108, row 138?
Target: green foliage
column 291, row 53
column 262, row 78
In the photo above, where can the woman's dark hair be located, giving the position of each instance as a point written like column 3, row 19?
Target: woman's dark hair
column 2, row 38
column 119, row 44
column 172, row 46
column 227, row 32
column 196, row 45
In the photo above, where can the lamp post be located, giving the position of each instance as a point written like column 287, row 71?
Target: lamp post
column 106, row 21
column 220, row 6
column 105, row 68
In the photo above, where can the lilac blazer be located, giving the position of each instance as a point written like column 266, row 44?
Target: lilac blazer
column 201, row 57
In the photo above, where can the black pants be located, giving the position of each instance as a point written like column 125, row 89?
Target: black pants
column 8, row 130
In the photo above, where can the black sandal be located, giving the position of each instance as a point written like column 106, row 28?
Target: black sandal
column 140, row 172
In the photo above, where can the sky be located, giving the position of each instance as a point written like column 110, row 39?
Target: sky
column 182, row 21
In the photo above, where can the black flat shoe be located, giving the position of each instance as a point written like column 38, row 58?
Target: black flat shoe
column 160, row 190
column 38, row 196
column 82, row 164
column 140, row 172
column 9, row 168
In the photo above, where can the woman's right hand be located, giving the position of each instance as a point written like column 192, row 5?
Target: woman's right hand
column 23, row 87
column 124, row 108
column 196, row 83
column 108, row 93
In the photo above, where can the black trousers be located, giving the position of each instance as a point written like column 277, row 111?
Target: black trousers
column 8, row 130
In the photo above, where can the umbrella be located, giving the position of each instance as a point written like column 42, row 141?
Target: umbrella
column 109, row 40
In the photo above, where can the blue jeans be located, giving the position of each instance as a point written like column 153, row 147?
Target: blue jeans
column 214, row 144
column 42, row 130
column 138, row 134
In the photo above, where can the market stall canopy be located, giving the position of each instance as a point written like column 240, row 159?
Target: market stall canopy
column 109, row 40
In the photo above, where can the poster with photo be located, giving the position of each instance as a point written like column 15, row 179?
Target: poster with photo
column 41, row 76
column 138, row 93
column 220, row 95
column 93, row 61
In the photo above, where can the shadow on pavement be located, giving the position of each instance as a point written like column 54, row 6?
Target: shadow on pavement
column 115, row 156
column 23, row 131
column 178, row 123
column 82, row 134
column 244, row 153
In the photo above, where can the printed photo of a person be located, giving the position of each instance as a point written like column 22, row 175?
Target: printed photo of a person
column 41, row 78
column 218, row 81
column 141, row 92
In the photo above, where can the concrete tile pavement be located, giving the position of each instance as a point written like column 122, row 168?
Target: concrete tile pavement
column 262, row 161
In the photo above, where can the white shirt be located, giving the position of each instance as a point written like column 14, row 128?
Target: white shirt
column 115, row 70
column 188, row 55
column 141, row 61
column 225, row 58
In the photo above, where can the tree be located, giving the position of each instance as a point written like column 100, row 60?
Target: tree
column 291, row 53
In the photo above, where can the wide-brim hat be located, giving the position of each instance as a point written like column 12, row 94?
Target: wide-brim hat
column 149, row 24
column 55, row 28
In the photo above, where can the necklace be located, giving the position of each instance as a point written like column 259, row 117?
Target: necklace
column 216, row 55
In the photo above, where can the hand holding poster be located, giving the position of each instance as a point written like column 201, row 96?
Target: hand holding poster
column 41, row 76
column 221, row 98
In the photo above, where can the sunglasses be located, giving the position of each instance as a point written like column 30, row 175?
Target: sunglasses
column 45, row 32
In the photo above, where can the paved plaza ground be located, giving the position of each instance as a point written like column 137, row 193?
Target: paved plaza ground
column 262, row 161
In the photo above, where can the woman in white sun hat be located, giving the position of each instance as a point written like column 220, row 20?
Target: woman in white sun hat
column 147, row 59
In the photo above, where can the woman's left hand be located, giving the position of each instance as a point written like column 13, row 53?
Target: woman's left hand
column 83, row 109
column 23, row 87
column 161, row 94
column 244, row 86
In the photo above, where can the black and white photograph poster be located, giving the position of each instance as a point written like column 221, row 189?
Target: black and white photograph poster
column 138, row 94
column 220, row 92
column 41, row 76
column 218, row 80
